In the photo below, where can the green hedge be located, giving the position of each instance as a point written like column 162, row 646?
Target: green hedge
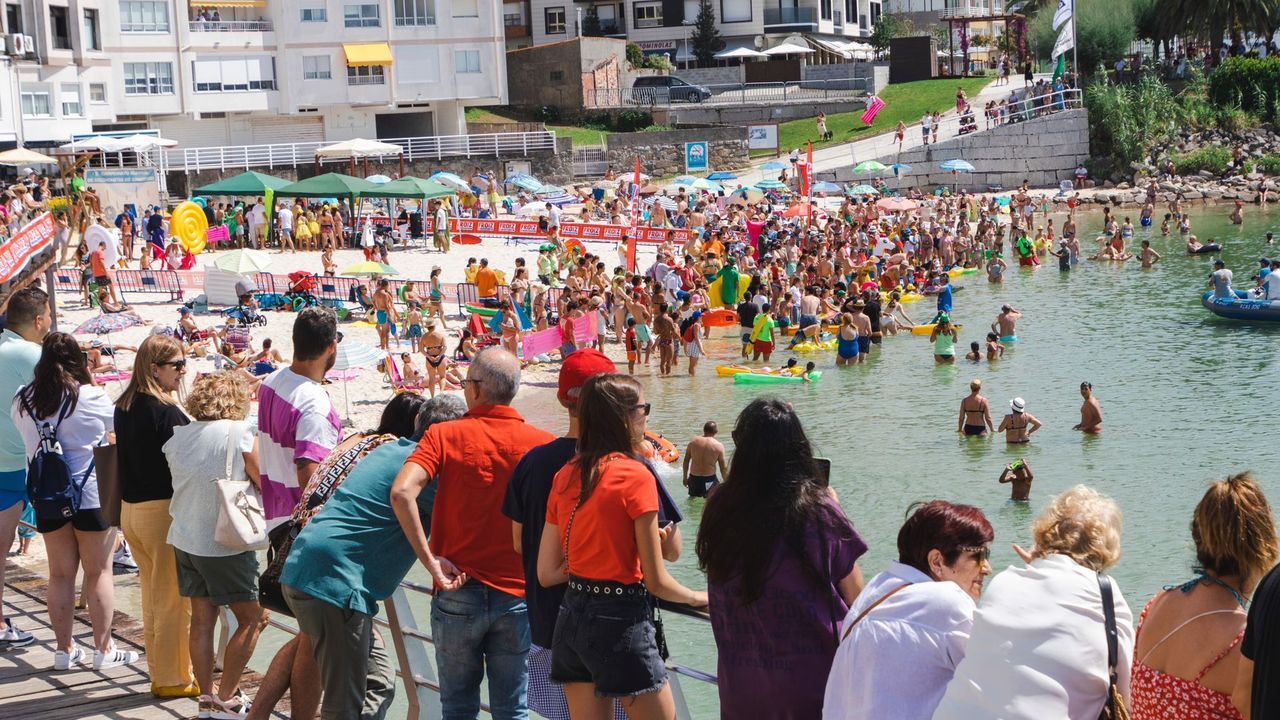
column 1213, row 158
column 1247, row 83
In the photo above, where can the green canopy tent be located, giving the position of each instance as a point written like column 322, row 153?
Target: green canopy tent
column 411, row 187
column 328, row 185
column 248, row 183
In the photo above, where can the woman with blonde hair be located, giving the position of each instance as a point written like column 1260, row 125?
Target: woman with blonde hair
column 1039, row 644
column 210, row 574
column 1188, row 642
column 145, row 417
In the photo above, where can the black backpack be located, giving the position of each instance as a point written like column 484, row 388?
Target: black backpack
column 53, row 493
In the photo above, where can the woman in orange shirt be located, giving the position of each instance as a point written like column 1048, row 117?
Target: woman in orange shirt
column 602, row 537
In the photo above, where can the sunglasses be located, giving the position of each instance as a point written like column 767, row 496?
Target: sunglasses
column 175, row 364
column 645, row 407
column 981, row 553
column 339, row 337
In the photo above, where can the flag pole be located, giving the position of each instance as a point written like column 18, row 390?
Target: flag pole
column 1075, row 66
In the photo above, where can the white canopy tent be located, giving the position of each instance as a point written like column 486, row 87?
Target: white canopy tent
column 741, row 53
column 787, row 48
column 358, row 147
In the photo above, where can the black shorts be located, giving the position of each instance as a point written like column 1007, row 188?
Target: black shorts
column 975, row 429
column 102, row 281
column 610, row 642
column 702, row 485
column 85, row 520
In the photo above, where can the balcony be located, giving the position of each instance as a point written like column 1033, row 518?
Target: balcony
column 517, row 31
column 790, row 18
column 959, row 9
column 230, row 26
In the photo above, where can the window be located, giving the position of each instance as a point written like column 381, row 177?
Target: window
column 71, row 106
column 366, row 75
column 556, row 76
column 315, row 14
column 92, row 39
column 555, row 20
column 316, row 67
column 97, row 93
column 648, row 15
column 154, row 78
column 415, row 12
column 876, row 9
column 357, row 16
column 824, row 9
column 234, row 74
column 737, row 10
column 466, row 61
column 36, row 102
column 144, row 16
column 466, row 8
column 13, row 18
column 59, row 27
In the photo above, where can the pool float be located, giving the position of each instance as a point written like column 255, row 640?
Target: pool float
column 809, row 347
column 928, row 329
column 1242, row 307
column 757, row 379
column 189, row 225
column 721, row 317
column 467, row 239
column 792, row 329
column 1206, row 249
column 731, row 370
column 659, row 447
column 958, row 271
column 575, row 247
column 482, row 311
column 713, row 292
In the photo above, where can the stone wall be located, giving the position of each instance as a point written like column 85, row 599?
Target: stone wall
column 662, row 153
column 856, row 75
column 712, row 76
column 751, row 114
column 548, row 74
column 549, row 167
column 1043, row 151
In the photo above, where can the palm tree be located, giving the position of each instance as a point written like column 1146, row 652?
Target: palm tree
column 1218, row 17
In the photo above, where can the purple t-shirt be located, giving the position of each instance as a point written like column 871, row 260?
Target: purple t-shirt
column 775, row 654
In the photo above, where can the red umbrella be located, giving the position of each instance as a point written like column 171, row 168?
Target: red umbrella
column 800, row 210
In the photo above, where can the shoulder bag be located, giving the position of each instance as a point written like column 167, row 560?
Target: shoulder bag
column 1115, row 708
column 242, row 523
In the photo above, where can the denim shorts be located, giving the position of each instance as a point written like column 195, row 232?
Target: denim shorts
column 608, row 642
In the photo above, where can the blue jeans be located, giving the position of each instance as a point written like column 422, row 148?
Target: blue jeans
column 479, row 631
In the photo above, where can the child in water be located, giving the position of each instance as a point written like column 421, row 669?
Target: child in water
column 994, row 349
column 808, row 368
column 975, row 352
column 1018, row 472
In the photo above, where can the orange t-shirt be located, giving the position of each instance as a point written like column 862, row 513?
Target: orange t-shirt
column 602, row 542
column 97, row 262
column 472, row 459
column 486, row 283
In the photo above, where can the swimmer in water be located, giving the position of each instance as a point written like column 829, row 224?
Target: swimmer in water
column 1090, row 411
column 1006, row 323
column 703, row 456
column 975, row 352
column 975, row 412
column 1019, row 424
column 995, row 350
column 1019, row 474
column 1149, row 257
column 1237, row 215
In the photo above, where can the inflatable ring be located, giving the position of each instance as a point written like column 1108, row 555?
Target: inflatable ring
column 659, row 447
column 575, row 247
column 189, row 225
column 200, row 201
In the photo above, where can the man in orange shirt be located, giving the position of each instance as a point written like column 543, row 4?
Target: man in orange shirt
column 478, row 617
column 487, row 284
column 98, row 265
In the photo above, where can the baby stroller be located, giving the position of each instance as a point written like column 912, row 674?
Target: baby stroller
column 245, row 315
column 301, row 293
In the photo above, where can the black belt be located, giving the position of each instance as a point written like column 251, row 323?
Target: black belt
column 607, row 589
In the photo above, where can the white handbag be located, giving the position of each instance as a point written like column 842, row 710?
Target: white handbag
column 242, row 523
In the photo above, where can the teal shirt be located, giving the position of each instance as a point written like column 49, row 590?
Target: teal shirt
column 18, row 358
column 729, row 278
column 353, row 553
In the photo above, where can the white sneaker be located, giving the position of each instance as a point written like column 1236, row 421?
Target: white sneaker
column 113, row 658
column 123, row 558
column 235, row 708
column 62, row 660
column 12, row 637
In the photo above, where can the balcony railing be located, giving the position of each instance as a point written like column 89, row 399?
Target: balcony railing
column 366, row 79
column 972, row 8
column 790, row 16
column 230, row 25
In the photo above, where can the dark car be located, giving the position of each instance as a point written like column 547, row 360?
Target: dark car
column 661, row 89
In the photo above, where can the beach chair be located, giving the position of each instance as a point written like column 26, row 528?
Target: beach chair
column 396, row 380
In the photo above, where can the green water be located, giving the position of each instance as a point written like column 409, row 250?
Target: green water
column 1187, row 398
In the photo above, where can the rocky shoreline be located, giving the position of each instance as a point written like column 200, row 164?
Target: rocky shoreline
column 1198, row 190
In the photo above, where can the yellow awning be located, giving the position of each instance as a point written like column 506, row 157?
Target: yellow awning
column 235, row 3
column 365, row 54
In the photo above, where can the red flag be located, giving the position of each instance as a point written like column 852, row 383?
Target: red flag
column 807, row 178
column 635, row 219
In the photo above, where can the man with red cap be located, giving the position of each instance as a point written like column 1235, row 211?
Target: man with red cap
column 526, row 505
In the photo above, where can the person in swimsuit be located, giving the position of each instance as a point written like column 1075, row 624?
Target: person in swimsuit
column 975, row 412
column 701, row 459
column 1019, row 424
column 863, row 325
column 384, row 309
column 847, row 342
column 437, row 297
column 1006, row 324
column 1090, row 411
column 433, row 344
column 995, row 269
column 975, row 352
column 1019, row 474
column 944, row 337
column 413, row 321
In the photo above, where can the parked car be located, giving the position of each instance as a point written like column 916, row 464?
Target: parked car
column 662, row 89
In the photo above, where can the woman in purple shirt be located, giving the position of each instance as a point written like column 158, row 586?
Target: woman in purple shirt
column 781, row 563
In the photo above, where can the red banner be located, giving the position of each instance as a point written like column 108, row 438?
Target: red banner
column 26, row 244
column 581, row 231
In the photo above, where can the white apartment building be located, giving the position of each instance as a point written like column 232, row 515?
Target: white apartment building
column 664, row 26
column 237, row 72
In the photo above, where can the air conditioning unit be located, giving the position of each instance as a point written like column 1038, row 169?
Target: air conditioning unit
column 16, row 45
column 30, row 43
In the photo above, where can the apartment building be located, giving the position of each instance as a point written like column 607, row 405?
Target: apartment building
column 665, row 26
column 249, row 71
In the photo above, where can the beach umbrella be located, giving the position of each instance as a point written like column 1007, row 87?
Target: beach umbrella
column 774, row 165
column 749, row 194
column 531, row 209
column 650, row 189
column 549, row 190
column 869, row 166
column 799, row 210
column 359, row 147
column 705, row 184
column 524, row 182
column 563, row 198
column 771, row 185
column 826, row 187
column 378, row 179
column 23, row 156
column 862, row 190
column 896, row 204
column 246, row 183
column 899, row 168
column 369, row 267
column 684, row 180
column 450, row 180
column 243, row 261
column 354, row 355
column 667, row 203
column 108, row 323
column 148, row 142
column 956, row 165
column 722, row 175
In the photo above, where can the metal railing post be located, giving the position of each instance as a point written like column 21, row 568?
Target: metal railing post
column 413, row 659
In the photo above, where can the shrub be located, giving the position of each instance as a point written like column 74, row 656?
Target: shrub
column 1268, row 164
column 1127, row 121
column 1213, row 158
column 548, row 114
column 1251, row 84
column 632, row 120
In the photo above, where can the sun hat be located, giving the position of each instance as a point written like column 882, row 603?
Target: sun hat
column 1018, row 404
column 580, row 366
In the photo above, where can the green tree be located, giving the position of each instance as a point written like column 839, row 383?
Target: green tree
column 1213, row 20
column 1104, row 32
column 591, row 23
column 890, row 26
column 706, row 38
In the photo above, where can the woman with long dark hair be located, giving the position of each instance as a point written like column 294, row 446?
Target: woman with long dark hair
column 782, row 569
column 62, row 394
column 602, row 538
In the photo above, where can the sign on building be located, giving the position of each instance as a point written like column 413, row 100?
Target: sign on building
column 696, row 156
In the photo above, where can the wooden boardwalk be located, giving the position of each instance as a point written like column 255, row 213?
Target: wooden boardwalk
column 29, row 688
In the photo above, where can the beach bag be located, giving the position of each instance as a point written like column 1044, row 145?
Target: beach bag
column 1114, row 708
column 242, row 523
column 52, row 490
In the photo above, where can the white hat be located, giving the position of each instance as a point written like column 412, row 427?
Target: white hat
column 1018, row 404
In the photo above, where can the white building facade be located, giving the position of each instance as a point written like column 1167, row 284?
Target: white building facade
column 239, row 72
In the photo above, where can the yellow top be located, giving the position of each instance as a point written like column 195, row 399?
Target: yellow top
column 365, row 54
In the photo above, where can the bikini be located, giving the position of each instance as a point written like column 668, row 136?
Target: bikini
column 1019, row 427
column 434, row 355
column 974, row 430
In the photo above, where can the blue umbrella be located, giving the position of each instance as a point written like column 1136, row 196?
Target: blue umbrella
column 899, row 167
column 771, row 185
column 826, row 187
column 684, row 180
column 722, row 175
column 525, row 182
column 774, row 165
column 956, row 165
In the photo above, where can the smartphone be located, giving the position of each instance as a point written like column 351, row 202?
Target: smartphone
column 824, row 471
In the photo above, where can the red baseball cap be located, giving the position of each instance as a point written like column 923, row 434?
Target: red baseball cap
column 580, row 366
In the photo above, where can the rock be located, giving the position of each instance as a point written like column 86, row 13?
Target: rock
column 1206, row 174
column 1193, row 195
column 1122, row 186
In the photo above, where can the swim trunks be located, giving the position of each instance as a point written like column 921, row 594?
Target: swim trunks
column 642, row 334
column 864, row 344
column 808, row 321
column 701, row 485
column 381, row 316
column 764, row 347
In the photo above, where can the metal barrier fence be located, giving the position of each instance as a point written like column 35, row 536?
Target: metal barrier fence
column 798, row 91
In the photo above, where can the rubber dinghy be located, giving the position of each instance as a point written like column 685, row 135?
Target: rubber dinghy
column 1205, row 249
column 1242, row 307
